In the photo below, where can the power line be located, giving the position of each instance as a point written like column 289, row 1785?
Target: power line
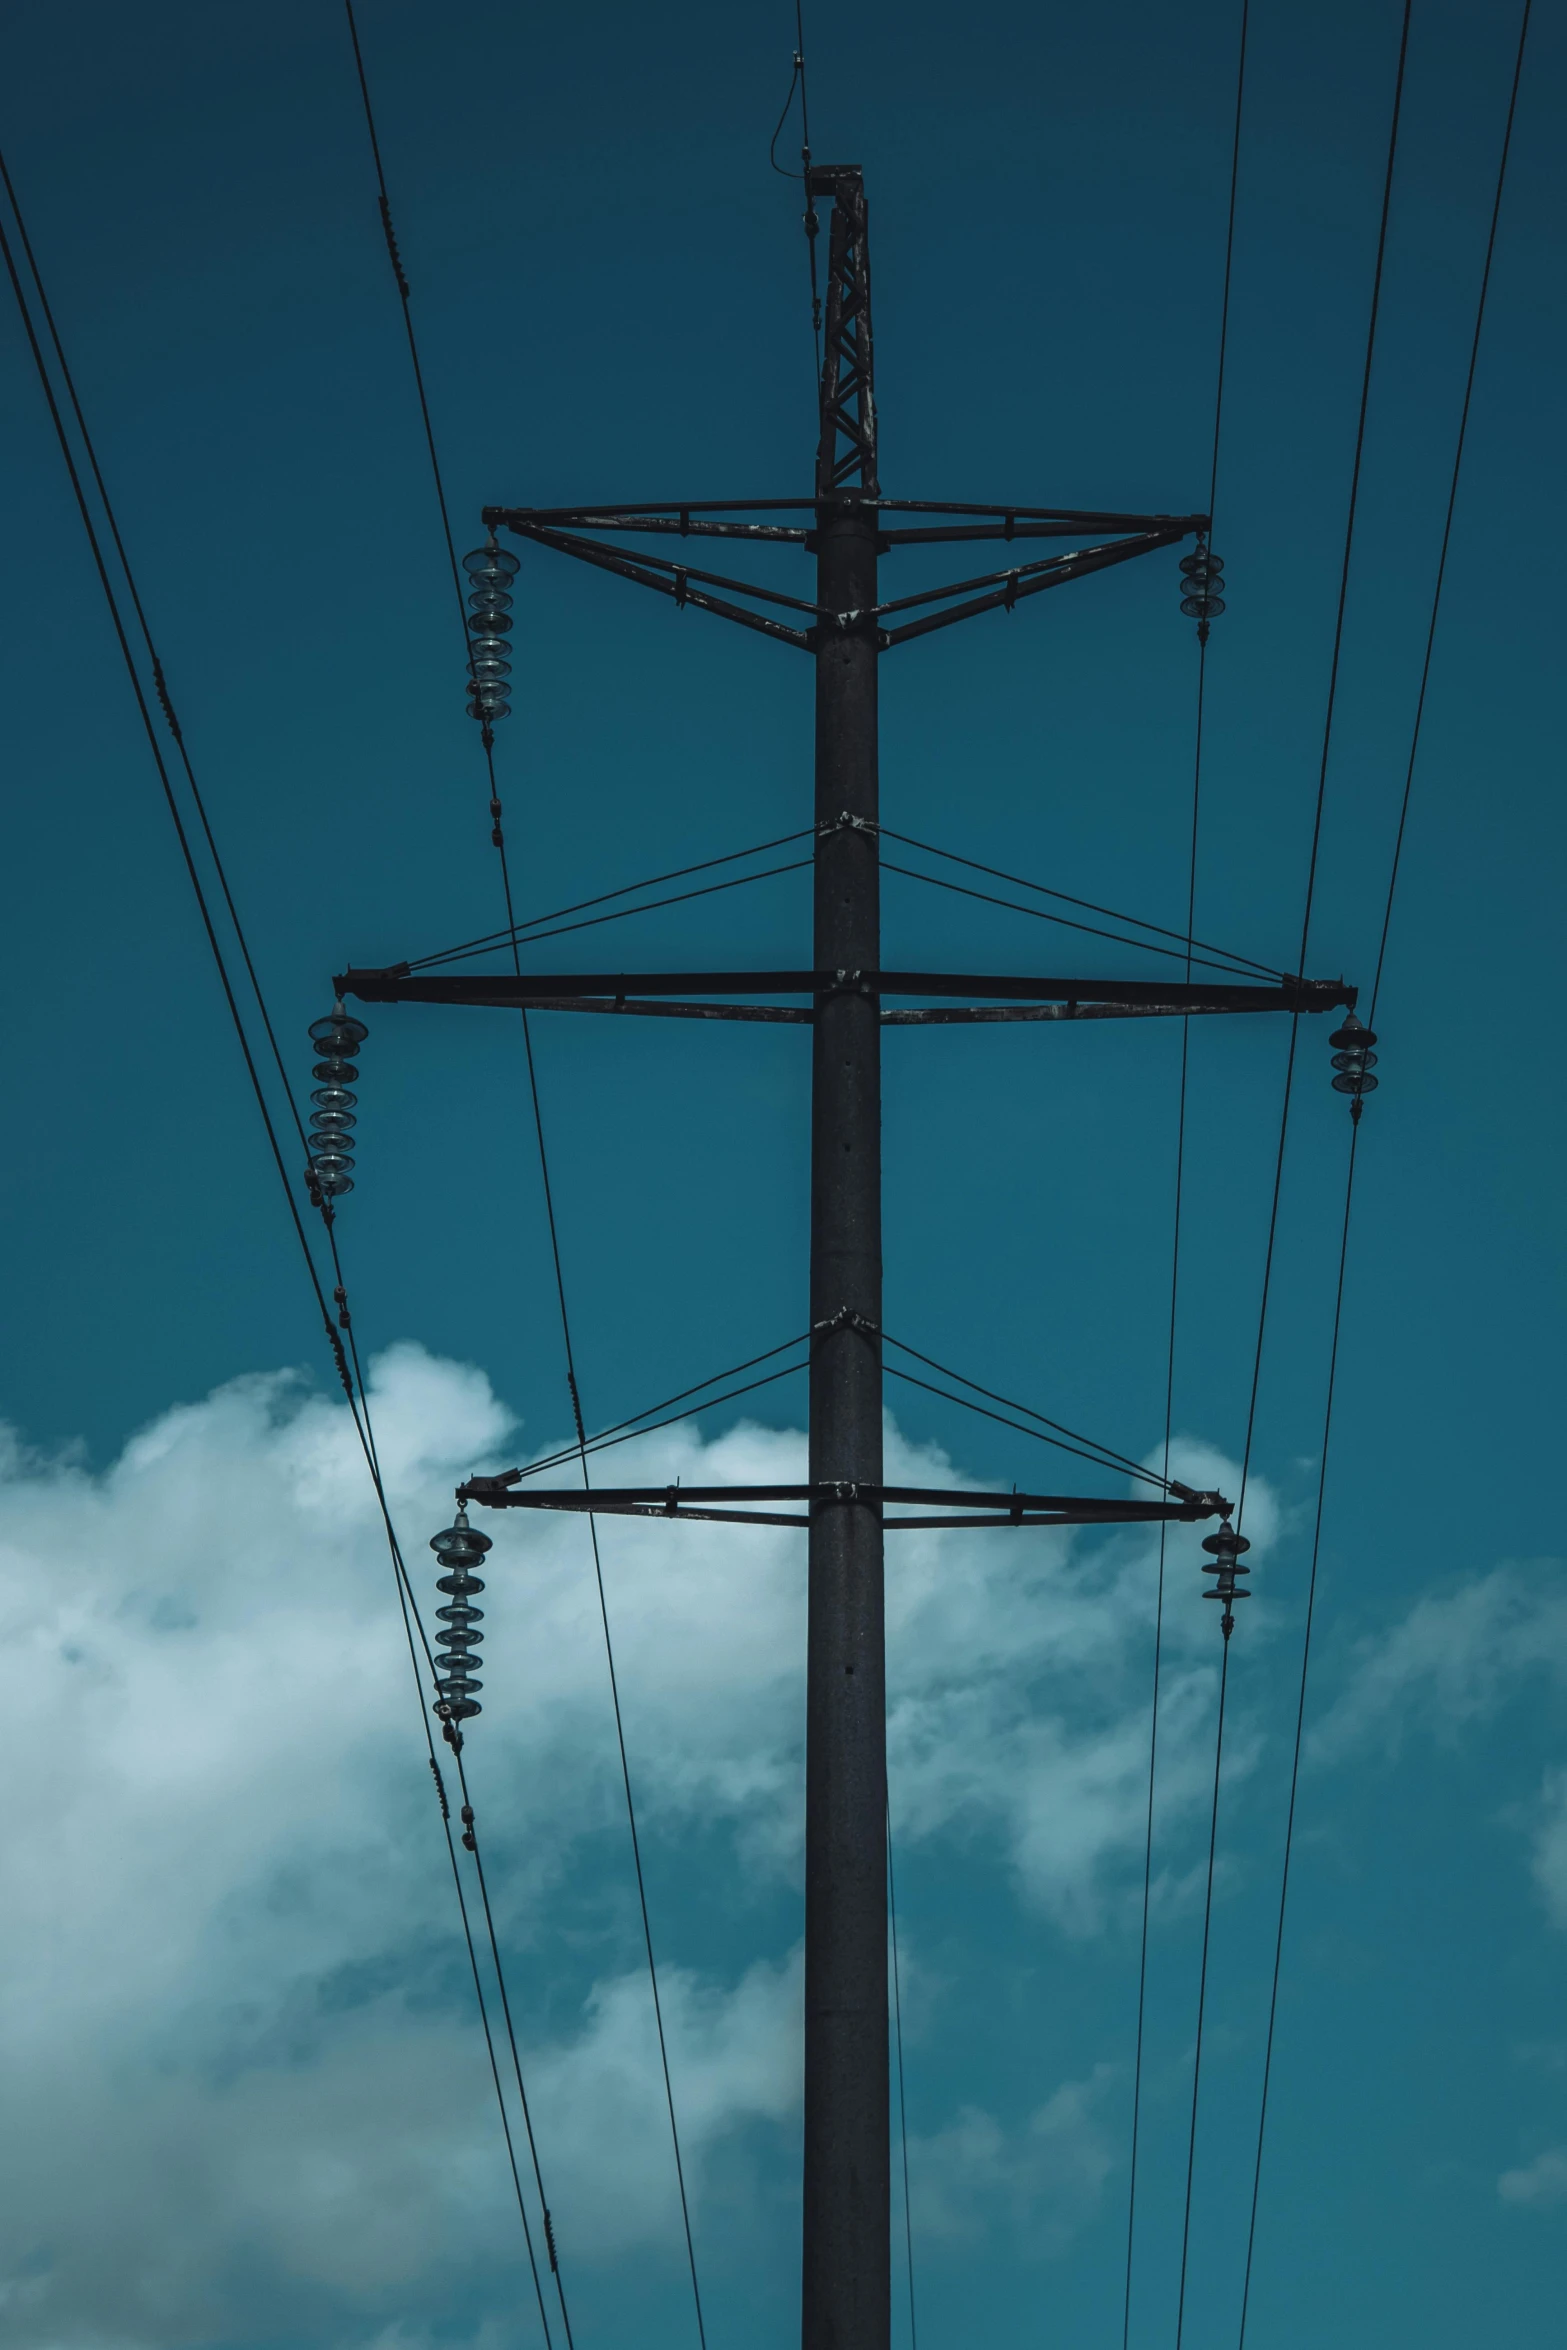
column 498, row 839
column 1289, row 1076
column 1169, row 1409
column 1300, row 1723
column 903, row 2102
column 1180, row 1176
column 1327, row 727
column 359, row 1408
column 413, row 1622
column 614, row 1690
column 159, row 679
column 797, row 81
column 1202, row 1996
column 1452, row 501
column 1349, row 1184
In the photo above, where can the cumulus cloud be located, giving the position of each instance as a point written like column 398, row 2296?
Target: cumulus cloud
column 1550, row 1846
column 236, row 2029
column 1541, row 2185
column 1044, row 2178
column 1453, row 1659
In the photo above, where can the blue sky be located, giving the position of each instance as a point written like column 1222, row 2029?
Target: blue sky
column 238, row 2028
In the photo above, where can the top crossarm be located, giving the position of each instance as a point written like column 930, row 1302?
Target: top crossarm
column 686, row 584
column 726, row 518
column 396, row 984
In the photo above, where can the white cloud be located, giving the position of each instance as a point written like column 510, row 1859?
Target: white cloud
column 1453, row 1659
column 236, row 2038
column 734, row 2058
column 1539, row 2187
column 1550, row 1846
column 1044, row 2178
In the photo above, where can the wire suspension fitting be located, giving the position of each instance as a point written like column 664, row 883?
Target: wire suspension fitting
column 391, row 247
column 1354, row 1060
column 337, row 1039
column 165, row 704
column 459, row 1548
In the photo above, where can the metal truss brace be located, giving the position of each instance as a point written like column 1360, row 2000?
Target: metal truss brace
column 846, row 451
column 1010, row 588
column 684, row 584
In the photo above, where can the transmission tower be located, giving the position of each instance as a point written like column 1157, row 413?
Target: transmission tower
column 846, row 999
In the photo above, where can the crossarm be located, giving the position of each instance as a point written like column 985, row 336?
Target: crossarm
column 509, row 990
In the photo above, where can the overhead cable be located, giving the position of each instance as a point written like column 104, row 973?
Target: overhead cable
column 1180, row 1185
column 1202, row 1994
column 498, row 839
column 1327, row 726
column 797, row 81
column 1349, row 1185
column 1452, row 501
column 358, row 1404
column 1294, row 1037
column 903, row 2101
column 614, row 1691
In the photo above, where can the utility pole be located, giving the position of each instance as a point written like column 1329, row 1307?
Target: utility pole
column 846, row 2253
column 844, row 998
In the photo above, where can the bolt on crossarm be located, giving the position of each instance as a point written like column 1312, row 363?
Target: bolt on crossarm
column 846, row 2250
